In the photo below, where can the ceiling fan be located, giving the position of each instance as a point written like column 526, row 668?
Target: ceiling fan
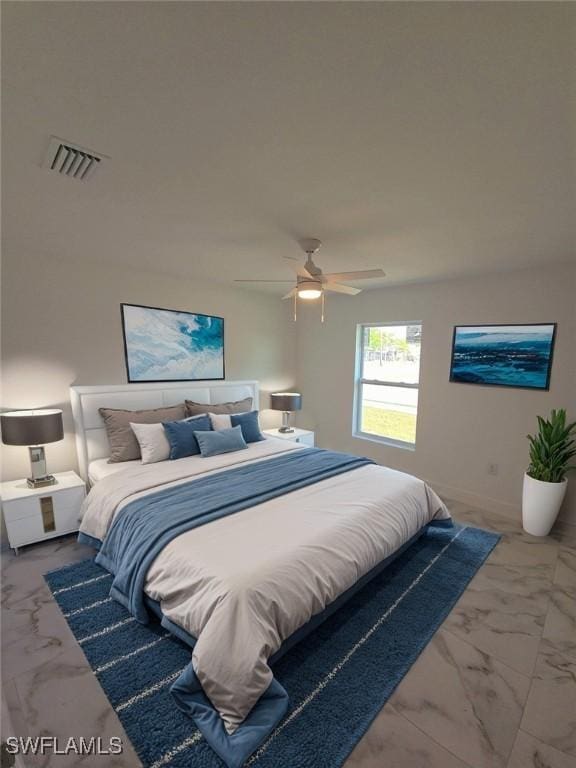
column 312, row 283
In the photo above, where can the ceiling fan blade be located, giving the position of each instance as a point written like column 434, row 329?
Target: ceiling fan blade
column 263, row 281
column 337, row 288
column 363, row 274
column 301, row 271
column 289, row 295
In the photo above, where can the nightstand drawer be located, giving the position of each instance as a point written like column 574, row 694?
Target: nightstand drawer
column 42, row 517
column 305, row 440
column 65, row 502
column 36, row 514
column 297, row 435
column 28, row 530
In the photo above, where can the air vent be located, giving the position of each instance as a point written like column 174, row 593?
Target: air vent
column 70, row 160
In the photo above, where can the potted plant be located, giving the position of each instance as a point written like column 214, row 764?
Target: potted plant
column 545, row 480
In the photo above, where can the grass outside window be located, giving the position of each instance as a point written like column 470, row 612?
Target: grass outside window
column 382, row 422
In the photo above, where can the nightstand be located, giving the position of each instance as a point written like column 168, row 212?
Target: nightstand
column 35, row 514
column 305, row 436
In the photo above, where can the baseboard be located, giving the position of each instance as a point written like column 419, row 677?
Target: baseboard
column 505, row 508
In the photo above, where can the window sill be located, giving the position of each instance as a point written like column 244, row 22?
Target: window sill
column 389, row 441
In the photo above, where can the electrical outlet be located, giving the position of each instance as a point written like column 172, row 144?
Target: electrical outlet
column 492, row 469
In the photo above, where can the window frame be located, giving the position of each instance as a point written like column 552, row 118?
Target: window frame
column 359, row 382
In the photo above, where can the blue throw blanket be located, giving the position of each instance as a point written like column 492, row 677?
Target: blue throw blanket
column 144, row 527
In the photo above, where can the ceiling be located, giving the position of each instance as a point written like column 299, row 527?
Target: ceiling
column 430, row 139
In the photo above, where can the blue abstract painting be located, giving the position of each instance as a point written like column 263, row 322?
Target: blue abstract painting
column 166, row 345
column 503, row 355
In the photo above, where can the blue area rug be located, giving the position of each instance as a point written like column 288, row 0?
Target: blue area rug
column 338, row 678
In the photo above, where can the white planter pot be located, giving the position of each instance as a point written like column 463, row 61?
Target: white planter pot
column 540, row 504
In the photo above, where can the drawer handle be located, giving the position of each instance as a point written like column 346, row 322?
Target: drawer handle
column 47, row 510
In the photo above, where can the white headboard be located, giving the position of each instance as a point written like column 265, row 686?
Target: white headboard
column 91, row 440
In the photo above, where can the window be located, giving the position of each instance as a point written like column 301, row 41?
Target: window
column 387, row 376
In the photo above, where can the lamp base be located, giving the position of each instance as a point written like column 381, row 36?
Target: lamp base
column 39, row 477
column 285, row 428
column 41, row 482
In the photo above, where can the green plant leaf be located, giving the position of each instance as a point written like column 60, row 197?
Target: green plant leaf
column 552, row 448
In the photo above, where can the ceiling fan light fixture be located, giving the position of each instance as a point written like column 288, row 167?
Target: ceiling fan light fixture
column 309, row 289
column 312, row 283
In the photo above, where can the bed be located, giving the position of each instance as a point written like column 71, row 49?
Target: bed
column 240, row 555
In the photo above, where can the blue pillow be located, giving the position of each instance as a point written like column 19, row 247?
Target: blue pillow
column 181, row 437
column 221, row 441
column 249, row 425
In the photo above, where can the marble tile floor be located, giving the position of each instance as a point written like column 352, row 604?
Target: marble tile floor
column 495, row 688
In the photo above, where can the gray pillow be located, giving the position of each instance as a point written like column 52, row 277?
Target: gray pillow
column 238, row 406
column 121, row 438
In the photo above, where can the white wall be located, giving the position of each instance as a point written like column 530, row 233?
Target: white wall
column 61, row 326
column 461, row 428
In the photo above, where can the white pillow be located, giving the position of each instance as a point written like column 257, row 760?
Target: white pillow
column 154, row 445
column 220, row 421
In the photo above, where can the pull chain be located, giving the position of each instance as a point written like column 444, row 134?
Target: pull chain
column 322, row 315
column 295, row 305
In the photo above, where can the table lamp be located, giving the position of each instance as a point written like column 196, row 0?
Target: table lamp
column 34, row 429
column 287, row 402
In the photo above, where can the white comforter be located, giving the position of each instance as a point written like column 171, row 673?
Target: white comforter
column 244, row 583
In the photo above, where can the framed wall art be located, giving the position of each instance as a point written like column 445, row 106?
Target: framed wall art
column 168, row 345
column 503, row 355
